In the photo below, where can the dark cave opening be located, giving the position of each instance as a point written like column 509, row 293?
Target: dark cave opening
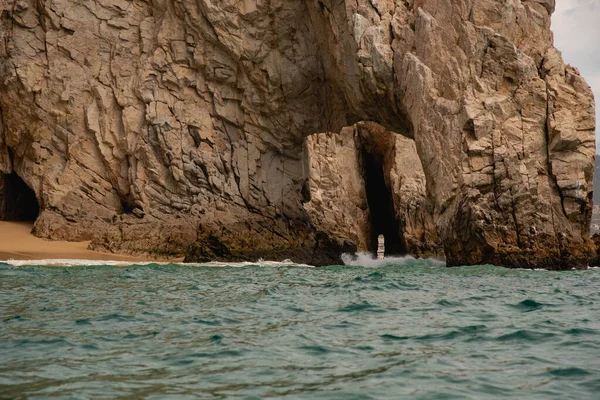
column 17, row 200
column 381, row 205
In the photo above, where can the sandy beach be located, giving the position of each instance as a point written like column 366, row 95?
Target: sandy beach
column 17, row 243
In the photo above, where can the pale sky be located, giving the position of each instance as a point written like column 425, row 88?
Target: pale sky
column 576, row 27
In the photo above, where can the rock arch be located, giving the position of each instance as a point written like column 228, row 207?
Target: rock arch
column 185, row 120
column 367, row 181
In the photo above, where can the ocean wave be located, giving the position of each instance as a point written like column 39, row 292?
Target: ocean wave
column 101, row 263
column 254, row 332
column 368, row 261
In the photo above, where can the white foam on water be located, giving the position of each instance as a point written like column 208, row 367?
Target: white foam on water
column 68, row 263
column 98, row 263
column 368, row 261
column 260, row 263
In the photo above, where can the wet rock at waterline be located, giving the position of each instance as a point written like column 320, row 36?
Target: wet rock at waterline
column 159, row 127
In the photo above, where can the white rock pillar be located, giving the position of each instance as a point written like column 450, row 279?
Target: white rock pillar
column 380, row 247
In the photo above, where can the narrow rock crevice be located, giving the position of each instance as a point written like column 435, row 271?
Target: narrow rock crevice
column 383, row 219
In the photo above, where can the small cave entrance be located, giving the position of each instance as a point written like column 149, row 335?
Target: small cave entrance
column 381, row 206
column 17, row 200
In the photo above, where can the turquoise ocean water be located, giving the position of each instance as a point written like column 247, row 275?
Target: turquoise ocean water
column 400, row 328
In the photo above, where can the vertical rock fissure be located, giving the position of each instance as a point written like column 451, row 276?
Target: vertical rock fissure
column 551, row 176
column 17, row 200
column 383, row 220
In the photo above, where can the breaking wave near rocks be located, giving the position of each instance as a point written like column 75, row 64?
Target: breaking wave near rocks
column 367, row 260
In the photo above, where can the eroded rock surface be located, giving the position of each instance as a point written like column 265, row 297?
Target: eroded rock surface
column 334, row 192
column 337, row 190
column 149, row 126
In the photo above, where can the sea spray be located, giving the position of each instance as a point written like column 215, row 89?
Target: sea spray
column 368, row 261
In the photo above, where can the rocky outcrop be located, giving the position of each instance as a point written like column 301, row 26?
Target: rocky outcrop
column 147, row 127
column 367, row 181
column 334, row 193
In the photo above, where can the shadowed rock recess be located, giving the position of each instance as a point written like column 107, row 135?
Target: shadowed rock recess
column 233, row 130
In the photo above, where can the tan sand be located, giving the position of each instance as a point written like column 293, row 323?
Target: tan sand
column 17, row 243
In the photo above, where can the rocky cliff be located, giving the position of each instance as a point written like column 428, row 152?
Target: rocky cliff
column 205, row 127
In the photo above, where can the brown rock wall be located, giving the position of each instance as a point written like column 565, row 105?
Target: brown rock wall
column 144, row 125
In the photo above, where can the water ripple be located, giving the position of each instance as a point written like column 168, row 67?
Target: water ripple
column 403, row 328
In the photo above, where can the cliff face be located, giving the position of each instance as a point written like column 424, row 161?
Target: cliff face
column 149, row 126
